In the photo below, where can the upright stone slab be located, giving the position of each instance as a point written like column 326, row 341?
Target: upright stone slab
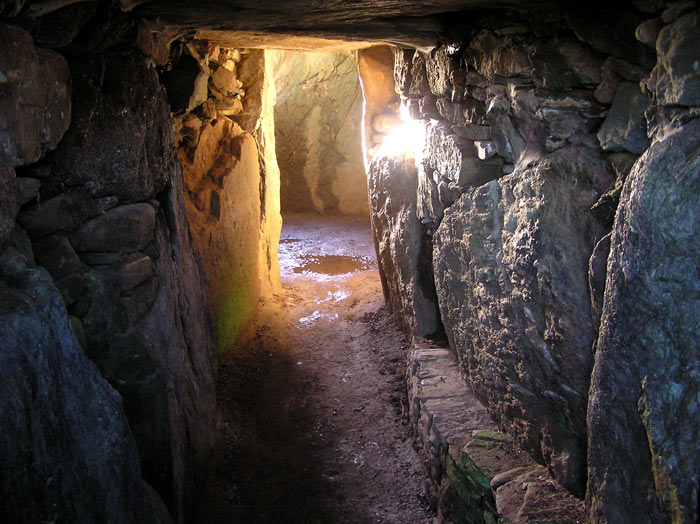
column 511, row 266
column 643, row 411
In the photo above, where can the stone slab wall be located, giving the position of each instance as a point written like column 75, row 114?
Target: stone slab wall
column 224, row 125
column 102, row 242
column 542, row 138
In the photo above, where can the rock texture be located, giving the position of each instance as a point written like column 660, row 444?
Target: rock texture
column 643, row 408
column 68, row 454
column 232, row 183
column 403, row 246
column 35, row 107
column 105, row 215
column 223, row 206
column 317, row 132
column 511, row 261
column 478, row 474
column 121, row 109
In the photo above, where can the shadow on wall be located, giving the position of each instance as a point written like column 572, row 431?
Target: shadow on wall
column 317, row 130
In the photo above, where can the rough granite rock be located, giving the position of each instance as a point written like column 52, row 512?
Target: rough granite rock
column 117, row 143
column 67, row 452
column 403, row 60
column 624, row 129
column 403, row 248
column 123, row 229
column 35, row 103
column 643, row 411
column 179, row 337
column 63, row 212
column 511, row 266
column 677, row 72
column 145, row 325
column 456, row 158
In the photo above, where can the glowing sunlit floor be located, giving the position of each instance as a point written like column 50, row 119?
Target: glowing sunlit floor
column 316, row 248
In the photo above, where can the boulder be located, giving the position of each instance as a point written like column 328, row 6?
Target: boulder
column 56, row 255
column 624, row 128
column 677, row 72
column 67, row 452
column 403, row 247
column 123, row 229
column 35, row 106
column 511, row 267
column 63, row 212
column 643, row 408
column 129, row 274
column 118, row 142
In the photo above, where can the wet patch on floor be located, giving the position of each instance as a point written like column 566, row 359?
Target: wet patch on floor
column 334, row 264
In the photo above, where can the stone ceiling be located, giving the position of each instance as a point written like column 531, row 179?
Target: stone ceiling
column 319, row 23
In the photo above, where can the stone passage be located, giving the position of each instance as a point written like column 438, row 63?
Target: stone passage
column 540, row 221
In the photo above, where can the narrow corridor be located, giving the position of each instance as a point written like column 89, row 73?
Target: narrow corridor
column 315, row 409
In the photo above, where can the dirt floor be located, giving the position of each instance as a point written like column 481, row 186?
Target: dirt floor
column 315, row 410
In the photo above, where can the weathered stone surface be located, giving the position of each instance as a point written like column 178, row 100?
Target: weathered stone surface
column 129, row 274
column 63, row 212
column 472, row 132
column 56, row 254
column 318, row 119
column 455, row 158
column 477, row 473
column 118, row 142
column 403, row 60
column 27, row 189
column 677, row 72
column 226, row 161
column 451, row 111
column 511, row 266
column 35, row 106
column 403, row 248
column 251, row 73
column 610, row 30
column 648, row 31
column 624, row 128
column 419, row 77
column 438, row 68
column 123, row 229
column 508, row 141
column 493, row 56
column 565, row 64
column 614, row 71
column 9, row 204
column 179, row 339
column 67, row 452
column 643, row 409
column 597, row 267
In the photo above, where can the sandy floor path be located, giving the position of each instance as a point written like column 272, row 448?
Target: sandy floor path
column 314, row 408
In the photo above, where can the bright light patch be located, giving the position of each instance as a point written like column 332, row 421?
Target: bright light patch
column 408, row 138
